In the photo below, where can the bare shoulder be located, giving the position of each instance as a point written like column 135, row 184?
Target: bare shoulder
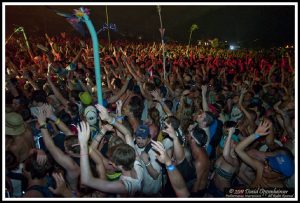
column 33, row 193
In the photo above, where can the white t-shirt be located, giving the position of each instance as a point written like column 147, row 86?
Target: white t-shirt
column 149, row 185
column 168, row 143
column 134, row 185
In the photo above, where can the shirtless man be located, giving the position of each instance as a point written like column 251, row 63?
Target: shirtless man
column 19, row 139
column 197, row 139
column 277, row 166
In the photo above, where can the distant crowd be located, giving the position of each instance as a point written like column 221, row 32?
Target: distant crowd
column 207, row 121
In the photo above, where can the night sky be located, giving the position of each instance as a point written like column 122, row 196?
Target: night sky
column 263, row 25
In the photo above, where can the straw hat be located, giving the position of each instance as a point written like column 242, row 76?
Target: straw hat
column 14, row 124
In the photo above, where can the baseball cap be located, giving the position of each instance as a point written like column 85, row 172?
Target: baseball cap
column 282, row 164
column 142, row 131
column 90, row 113
column 85, row 98
column 14, row 124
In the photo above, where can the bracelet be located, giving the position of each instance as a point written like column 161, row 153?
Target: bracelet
column 43, row 126
column 148, row 164
column 53, row 118
column 120, row 118
column 113, row 121
column 170, row 168
column 257, row 135
column 57, row 121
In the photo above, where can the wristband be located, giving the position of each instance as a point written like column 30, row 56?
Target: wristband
column 257, row 136
column 170, row 168
column 113, row 121
column 148, row 164
column 43, row 126
column 53, row 117
column 120, row 118
column 57, row 121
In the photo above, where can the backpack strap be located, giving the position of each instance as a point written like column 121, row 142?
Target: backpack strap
column 148, row 147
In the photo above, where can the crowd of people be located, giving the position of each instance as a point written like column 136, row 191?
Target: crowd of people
column 215, row 119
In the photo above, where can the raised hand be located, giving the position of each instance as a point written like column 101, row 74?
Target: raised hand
column 264, row 128
column 49, row 69
column 82, row 44
column 83, row 132
column 41, row 157
column 192, row 126
column 114, row 52
column 161, row 152
column 119, row 106
column 243, row 90
column 41, row 115
column 204, row 89
column 170, row 130
column 156, row 95
column 103, row 113
column 61, row 186
column 186, row 92
column 231, row 131
column 276, row 106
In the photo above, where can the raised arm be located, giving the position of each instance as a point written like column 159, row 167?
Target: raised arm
column 61, row 186
column 115, row 97
column 56, row 92
column 130, row 69
column 160, row 100
column 112, row 121
column 30, row 80
column 287, row 124
column 247, row 114
column 227, row 147
column 60, row 124
column 204, row 100
column 97, row 158
column 174, row 175
column 262, row 130
column 59, row 156
column 178, row 149
column 87, row 177
column 11, row 87
column 144, row 91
